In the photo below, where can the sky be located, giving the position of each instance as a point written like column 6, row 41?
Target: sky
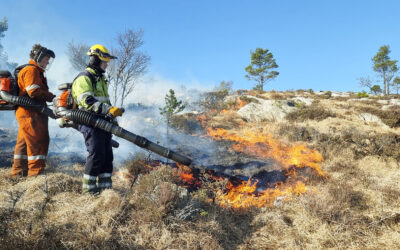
column 319, row 45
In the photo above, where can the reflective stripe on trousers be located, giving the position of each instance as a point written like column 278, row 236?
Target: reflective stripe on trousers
column 30, row 158
column 32, row 144
column 89, row 184
column 21, row 157
column 36, row 157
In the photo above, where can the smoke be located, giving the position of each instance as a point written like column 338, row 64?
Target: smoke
column 147, row 122
column 60, row 72
column 151, row 90
column 142, row 116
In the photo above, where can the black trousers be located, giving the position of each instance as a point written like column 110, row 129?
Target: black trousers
column 98, row 145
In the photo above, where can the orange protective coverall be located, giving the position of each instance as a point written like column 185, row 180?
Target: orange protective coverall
column 33, row 135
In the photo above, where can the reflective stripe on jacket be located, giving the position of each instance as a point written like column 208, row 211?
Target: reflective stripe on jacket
column 91, row 96
column 32, row 82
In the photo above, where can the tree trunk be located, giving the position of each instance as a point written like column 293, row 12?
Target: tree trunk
column 384, row 84
column 262, row 83
column 168, row 134
column 388, row 88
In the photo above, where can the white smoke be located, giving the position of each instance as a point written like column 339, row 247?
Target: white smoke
column 150, row 92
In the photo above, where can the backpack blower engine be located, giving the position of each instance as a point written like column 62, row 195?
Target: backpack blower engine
column 65, row 108
column 9, row 99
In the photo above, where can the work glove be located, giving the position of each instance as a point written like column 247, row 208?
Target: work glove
column 115, row 111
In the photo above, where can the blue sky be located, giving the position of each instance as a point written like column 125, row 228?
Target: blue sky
column 322, row 45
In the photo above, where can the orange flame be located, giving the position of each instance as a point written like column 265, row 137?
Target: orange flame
column 245, row 195
column 224, row 111
column 124, row 175
column 186, row 175
column 202, row 119
column 266, row 146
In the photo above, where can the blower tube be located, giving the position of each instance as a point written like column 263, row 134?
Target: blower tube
column 90, row 119
column 25, row 101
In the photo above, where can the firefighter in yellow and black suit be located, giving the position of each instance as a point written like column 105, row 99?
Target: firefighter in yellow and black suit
column 90, row 92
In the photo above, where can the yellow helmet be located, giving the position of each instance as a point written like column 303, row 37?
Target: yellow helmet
column 100, row 51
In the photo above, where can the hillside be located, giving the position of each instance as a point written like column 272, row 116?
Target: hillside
column 291, row 170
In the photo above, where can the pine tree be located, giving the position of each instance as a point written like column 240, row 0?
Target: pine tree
column 3, row 29
column 385, row 67
column 172, row 107
column 4, row 64
column 260, row 68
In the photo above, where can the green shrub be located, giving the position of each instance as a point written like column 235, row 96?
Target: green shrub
column 248, row 99
column 362, row 94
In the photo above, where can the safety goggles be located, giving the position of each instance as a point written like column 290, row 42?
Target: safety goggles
column 102, row 54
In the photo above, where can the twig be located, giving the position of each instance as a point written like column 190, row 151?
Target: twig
column 393, row 216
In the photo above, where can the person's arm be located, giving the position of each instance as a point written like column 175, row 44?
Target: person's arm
column 83, row 93
column 34, row 86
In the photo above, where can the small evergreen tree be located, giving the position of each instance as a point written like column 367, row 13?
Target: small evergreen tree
column 396, row 84
column 260, row 68
column 385, row 67
column 3, row 28
column 4, row 64
column 376, row 89
column 172, row 107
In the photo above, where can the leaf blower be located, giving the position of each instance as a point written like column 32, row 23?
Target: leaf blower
column 65, row 108
column 9, row 99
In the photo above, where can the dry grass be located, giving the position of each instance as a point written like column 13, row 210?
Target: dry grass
column 356, row 207
column 143, row 217
column 389, row 117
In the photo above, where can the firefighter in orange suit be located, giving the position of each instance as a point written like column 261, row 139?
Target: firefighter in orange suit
column 33, row 134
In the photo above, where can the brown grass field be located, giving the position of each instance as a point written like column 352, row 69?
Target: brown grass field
column 357, row 205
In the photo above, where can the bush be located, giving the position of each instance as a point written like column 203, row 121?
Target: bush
column 214, row 100
column 310, row 113
column 248, row 99
column 186, row 123
column 362, row 94
column 277, row 96
column 389, row 117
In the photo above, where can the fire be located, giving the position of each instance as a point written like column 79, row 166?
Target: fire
column 187, row 176
column 245, row 195
column 124, row 175
column 265, row 146
column 202, row 119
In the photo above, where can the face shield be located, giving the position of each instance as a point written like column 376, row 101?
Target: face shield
column 45, row 63
column 44, row 58
column 51, row 60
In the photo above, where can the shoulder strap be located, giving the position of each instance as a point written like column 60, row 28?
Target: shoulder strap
column 88, row 74
column 20, row 67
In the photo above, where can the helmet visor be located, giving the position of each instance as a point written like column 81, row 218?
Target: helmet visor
column 102, row 55
column 51, row 60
